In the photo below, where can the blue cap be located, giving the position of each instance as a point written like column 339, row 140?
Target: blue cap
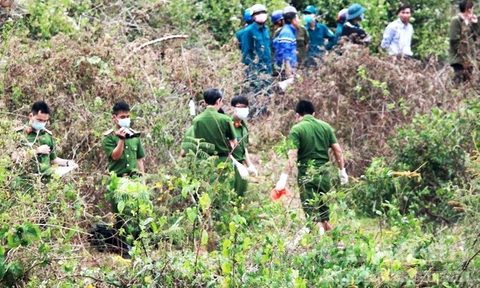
column 277, row 15
column 355, row 10
column 310, row 9
column 247, row 15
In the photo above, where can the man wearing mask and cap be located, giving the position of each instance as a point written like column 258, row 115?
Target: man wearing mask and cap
column 317, row 34
column 351, row 28
column 247, row 18
column 123, row 145
column 285, row 43
column 255, row 44
column 40, row 153
column 240, row 153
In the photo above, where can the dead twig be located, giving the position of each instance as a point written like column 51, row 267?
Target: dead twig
column 165, row 38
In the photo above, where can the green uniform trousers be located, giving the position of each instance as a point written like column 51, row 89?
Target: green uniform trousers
column 312, row 189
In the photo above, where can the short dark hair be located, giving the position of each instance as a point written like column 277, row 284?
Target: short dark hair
column 40, row 106
column 304, row 107
column 465, row 5
column 239, row 100
column 404, row 7
column 288, row 17
column 120, row 106
column 211, row 96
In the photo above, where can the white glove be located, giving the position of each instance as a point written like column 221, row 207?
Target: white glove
column 343, row 176
column 242, row 170
column 71, row 163
column 43, row 149
column 282, row 183
column 252, row 170
column 285, row 83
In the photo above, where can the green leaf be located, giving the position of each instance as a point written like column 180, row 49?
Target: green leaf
column 205, row 202
column 13, row 239
column 226, row 268
column 204, row 240
column 191, row 214
column 120, row 206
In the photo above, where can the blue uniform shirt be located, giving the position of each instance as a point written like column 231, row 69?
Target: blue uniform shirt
column 256, row 50
column 239, row 35
column 285, row 45
column 317, row 39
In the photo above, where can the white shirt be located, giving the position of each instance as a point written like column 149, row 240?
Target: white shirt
column 397, row 38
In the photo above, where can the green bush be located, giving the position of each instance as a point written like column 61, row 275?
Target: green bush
column 48, row 18
column 436, row 146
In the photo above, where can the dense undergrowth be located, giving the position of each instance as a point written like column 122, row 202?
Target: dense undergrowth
column 408, row 218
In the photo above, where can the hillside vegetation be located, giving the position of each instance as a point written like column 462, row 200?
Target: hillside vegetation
column 408, row 217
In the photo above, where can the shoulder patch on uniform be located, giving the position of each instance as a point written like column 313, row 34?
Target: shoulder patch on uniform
column 107, row 132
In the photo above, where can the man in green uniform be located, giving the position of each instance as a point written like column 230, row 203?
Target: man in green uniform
column 125, row 157
column 122, row 145
column 311, row 140
column 213, row 127
column 37, row 152
column 240, row 153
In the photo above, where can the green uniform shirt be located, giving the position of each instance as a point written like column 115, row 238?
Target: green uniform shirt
column 132, row 151
column 214, row 128
column 241, row 134
column 41, row 162
column 312, row 138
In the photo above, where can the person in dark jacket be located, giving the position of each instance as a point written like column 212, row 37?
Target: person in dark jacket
column 464, row 30
column 351, row 27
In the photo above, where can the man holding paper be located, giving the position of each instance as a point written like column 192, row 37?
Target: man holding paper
column 37, row 153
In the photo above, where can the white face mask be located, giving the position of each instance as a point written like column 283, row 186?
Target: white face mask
column 124, row 123
column 242, row 113
column 38, row 126
column 261, row 18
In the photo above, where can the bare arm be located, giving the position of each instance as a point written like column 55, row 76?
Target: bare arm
column 60, row 162
column 141, row 166
column 337, row 152
column 233, row 144
column 118, row 151
column 292, row 160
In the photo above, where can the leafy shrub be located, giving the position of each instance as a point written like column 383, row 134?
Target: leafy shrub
column 48, row 18
column 380, row 186
column 437, row 147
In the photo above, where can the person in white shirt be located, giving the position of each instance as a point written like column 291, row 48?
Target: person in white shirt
column 397, row 37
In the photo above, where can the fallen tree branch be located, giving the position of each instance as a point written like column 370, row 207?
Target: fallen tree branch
column 164, row 38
